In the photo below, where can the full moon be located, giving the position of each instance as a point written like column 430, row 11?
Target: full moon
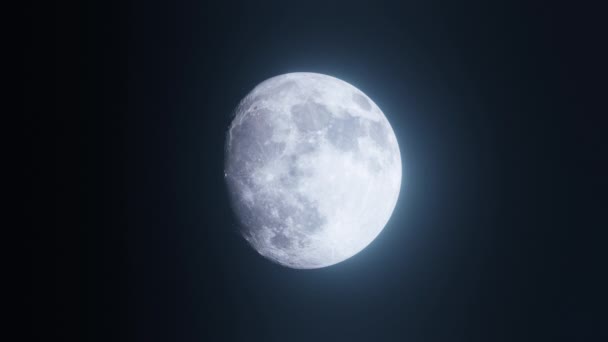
column 313, row 169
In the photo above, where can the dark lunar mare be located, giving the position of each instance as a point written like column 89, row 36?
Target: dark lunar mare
column 249, row 148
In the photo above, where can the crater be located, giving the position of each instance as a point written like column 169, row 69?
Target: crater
column 281, row 241
column 291, row 178
column 287, row 219
column 378, row 133
column 362, row 102
column 308, row 217
column 251, row 140
column 343, row 133
column 310, row 116
column 285, row 86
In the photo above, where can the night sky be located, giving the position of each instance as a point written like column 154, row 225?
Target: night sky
column 497, row 233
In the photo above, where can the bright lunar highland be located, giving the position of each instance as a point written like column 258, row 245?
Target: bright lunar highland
column 313, row 169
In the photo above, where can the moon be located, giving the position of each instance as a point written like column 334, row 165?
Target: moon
column 312, row 168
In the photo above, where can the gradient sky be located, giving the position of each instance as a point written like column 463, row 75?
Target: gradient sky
column 495, row 234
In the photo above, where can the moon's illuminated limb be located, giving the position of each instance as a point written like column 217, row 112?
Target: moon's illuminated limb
column 313, row 169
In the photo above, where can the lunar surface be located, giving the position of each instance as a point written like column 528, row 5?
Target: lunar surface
column 313, row 169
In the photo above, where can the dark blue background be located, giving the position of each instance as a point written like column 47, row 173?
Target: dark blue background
column 497, row 234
